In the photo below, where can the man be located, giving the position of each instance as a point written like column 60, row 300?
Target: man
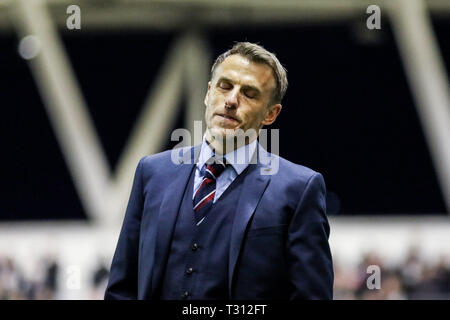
column 214, row 226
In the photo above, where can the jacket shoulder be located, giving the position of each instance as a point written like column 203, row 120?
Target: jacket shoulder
column 156, row 158
column 294, row 173
column 167, row 160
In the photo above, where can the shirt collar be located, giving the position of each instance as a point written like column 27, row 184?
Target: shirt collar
column 239, row 158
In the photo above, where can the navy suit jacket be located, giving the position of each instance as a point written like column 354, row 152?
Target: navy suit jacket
column 279, row 239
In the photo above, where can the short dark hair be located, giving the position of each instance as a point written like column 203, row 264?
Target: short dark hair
column 257, row 53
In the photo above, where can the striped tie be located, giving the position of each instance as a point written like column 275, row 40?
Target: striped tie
column 204, row 196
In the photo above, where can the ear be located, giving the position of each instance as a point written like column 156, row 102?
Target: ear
column 272, row 114
column 207, row 94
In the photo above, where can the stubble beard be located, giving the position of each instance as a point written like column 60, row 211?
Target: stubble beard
column 227, row 140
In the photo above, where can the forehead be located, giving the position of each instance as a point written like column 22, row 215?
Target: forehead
column 241, row 70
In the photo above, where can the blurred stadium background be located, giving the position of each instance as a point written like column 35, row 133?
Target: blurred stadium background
column 80, row 107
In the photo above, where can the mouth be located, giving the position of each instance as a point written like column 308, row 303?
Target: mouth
column 227, row 117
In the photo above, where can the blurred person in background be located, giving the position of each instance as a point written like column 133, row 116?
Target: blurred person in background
column 215, row 227
column 11, row 280
column 99, row 280
column 415, row 278
column 346, row 282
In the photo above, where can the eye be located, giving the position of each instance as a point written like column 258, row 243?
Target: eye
column 225, row 85
column 250, row 94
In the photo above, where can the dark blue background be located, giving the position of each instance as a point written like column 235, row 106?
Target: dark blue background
column 348, row 113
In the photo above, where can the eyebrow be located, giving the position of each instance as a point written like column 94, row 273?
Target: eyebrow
column 246, row 86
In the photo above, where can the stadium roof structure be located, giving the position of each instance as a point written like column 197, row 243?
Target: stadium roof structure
column 102, row 191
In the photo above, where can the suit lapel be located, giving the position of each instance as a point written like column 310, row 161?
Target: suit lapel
column 170, row 206
column 254, row 185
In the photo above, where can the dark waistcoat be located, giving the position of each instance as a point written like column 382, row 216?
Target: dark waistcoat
column 197, row 266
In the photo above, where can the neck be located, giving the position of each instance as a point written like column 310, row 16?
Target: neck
column 223, row 144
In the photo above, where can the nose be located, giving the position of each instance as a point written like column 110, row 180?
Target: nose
column 232, row 99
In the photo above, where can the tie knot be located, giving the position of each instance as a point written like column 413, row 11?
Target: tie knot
column 215, row 167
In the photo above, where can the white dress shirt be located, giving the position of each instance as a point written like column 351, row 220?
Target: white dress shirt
column 238, row 159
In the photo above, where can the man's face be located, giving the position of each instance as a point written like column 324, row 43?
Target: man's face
column 238, row 97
